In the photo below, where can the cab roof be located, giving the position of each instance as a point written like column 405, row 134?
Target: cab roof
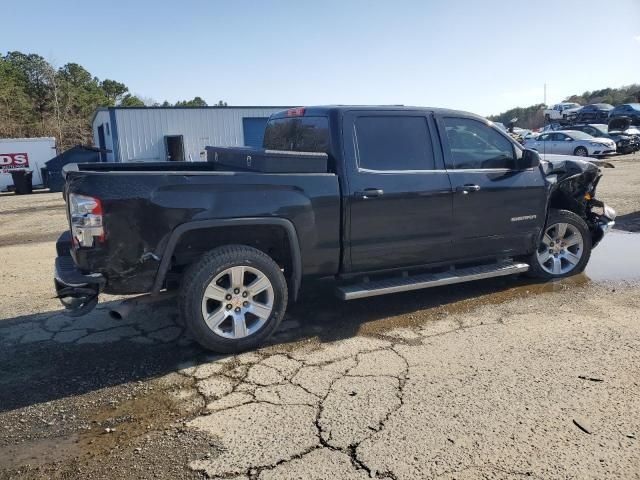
column 325, row 110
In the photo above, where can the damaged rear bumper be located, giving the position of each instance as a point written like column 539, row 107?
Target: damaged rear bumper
column 78, row 292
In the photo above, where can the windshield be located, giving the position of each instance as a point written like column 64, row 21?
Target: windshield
column 300, row 134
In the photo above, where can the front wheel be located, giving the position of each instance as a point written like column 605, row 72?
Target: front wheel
column 581, row 152
column 564, row 249
column 233, row 298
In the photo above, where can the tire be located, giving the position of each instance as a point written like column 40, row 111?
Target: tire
column 220, row 286
column 573, row 257
column 581, row 152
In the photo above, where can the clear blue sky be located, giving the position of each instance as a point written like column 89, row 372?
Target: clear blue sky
column 479, row 55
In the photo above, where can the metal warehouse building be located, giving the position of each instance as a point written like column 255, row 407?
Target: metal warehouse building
column 147, row 134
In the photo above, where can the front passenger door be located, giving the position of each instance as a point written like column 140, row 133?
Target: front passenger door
column 562, row 144
column 498, row 210
column 543, row 143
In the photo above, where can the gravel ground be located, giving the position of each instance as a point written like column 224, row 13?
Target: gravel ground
column 495, row 379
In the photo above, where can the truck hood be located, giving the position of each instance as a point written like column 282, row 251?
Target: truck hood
column 565, row 166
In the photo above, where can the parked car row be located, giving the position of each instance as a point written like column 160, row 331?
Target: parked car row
column 624, row 143
column 625, row 136
column 569, row 112
column 571, row 142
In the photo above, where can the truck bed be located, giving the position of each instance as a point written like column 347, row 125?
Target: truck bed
column 224, row 159
column 143, row 203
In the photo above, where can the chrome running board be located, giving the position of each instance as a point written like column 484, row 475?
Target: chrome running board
column 428, row 280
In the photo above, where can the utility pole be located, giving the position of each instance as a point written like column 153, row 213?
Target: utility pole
column 545, row 93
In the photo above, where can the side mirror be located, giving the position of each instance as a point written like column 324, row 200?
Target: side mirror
column 568, row 139
column 529, row 159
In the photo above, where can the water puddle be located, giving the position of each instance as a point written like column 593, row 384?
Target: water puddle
column 39, row 452
column 616, row 258
column 117, row 425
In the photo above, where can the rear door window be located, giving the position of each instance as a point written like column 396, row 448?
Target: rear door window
column 391, row 142
column 299, row 134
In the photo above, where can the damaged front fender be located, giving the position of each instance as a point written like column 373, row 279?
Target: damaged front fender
column 572, row 184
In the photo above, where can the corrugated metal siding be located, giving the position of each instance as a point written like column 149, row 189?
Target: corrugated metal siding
column 141, row 132
column 102, row 117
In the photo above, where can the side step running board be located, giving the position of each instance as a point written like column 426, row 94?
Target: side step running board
column 428, row 280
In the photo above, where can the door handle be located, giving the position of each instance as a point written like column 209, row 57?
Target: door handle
column 370, row 193
column 467, row 187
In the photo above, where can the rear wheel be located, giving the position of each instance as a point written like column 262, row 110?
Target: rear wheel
column 564, row 249
column 233, row 298
column 581, row 152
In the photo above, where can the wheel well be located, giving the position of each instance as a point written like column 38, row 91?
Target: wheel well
column 270, row 239
column 564, row 198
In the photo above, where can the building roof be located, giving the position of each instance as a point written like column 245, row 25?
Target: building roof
column 212, row 107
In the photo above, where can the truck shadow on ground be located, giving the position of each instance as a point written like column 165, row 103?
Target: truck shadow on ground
column 48, row 356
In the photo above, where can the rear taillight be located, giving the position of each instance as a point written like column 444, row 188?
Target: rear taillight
column 86, row 220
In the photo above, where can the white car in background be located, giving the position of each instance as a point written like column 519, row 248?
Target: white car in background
column 570, row 142
column 561, row 112
column 525, row 133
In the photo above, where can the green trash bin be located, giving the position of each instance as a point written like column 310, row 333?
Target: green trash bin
column 22, row 181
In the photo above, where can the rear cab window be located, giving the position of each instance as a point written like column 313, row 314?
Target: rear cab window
column 299, row 134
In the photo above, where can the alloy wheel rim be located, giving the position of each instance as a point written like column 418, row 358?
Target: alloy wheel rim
column 561, row 249
column 237, row 302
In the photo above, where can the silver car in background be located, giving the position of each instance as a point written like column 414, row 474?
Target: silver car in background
column 571, row 142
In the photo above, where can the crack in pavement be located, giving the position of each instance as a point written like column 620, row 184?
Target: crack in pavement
column 289, row 367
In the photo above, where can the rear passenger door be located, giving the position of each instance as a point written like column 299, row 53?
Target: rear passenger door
column 400, row 198
column 497, row 209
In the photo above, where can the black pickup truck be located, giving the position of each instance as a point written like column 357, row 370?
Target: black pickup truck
column 383, row 199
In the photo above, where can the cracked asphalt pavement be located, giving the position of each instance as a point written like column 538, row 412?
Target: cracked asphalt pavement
column 495, row 379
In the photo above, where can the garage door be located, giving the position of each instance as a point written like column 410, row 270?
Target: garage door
column 253, row 129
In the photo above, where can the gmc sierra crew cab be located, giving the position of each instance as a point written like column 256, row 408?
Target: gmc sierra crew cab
column 380, row 199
